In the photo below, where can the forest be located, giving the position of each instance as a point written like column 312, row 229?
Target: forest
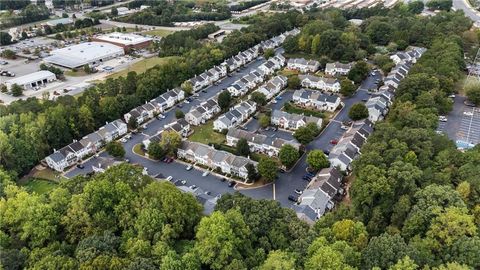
column 414, row 202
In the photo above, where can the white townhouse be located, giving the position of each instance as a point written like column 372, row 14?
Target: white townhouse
column 168, row 99
column 237, row 89
column 303, row 65
column 316, row 99
column 337, row 68
column 377, row 108
column 74, row 152
column 205, row 111
column 274, row 63
column 259, row 142
column 235, row 116
column 141, row 113
column 273, row 86
column 228, row 163
column 292, row 120
column 321, row 83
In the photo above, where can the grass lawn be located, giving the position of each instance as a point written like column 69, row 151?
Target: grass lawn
column 290, row 108
column 137, row 149
column 288, row 72
column 205, row 134
column 158, row 32
column 142, row 66
column 301, row 55
column 40, row 186
column 48, row 174
column 78, row 73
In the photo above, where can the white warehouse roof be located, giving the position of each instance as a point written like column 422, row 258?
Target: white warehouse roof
column 32, row 77
column 84, row 53
column 123, row 38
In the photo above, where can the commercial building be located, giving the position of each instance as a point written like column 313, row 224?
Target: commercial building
column 88, row 53
column 125, row 40
column 33, row 80
column 64, row 21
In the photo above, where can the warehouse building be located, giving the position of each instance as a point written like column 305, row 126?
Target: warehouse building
column 33, row 80
column 64, row 21
column 124, row 40
column 88, row 53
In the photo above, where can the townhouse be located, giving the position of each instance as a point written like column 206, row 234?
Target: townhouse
column 378, row 105
column 77, row 150
column 412, row 55
column 273, row 64
column 205, row 155
column 321, row 83
column 348, row 148
column 181, row 126
column 141, row 113
column 303, row 65
column 316, row 99
column 273, row 86
column 208, row 77
column 205, row 111
column 337, row 69
column 258, row 142
column 168, row 99
column 293, row 121
column 238, row 114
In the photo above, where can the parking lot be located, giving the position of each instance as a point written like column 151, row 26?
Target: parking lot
column 462, row 124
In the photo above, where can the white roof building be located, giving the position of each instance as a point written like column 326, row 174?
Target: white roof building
column 123, row 39
column 32, row 80
column 88, row 53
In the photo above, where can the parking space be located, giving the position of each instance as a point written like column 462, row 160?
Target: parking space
column 469, row 131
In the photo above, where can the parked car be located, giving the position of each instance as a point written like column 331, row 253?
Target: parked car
column 468, row 113
column 311, row 174
column 205, row 173
column 208, row 192
column 183, row 182
column 452, row 96
column 3, row 62
column 193, row 187
column 298, row 191
column 179, row 105
column 204, row 90
column 169, row 178
column 189, row 167
column 306, row 177
column 186, row 101
column 333, row 142
column 278, row 98
column 124, row 140
column 469, row 103
column 364, row 99
column 343, row 127
column 442, row 118
column 326, row 152
column 293, row 198
column 80, row 166
column 231, row 183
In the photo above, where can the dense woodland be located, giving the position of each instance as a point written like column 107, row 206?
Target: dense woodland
column 414, row 200
column 28, row 14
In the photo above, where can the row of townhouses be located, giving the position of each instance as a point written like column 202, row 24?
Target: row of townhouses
column 273, row 86
column 241, row 86
column 236, row 115
column 202, row 113
column 181, row 126
column 338, row 69
column 205, row 155
column 321, row 83
column 321, row 194
column 208, row 77
column 258, row 142
column 316, row 99
column 293, row 121
column 158, row 105
column 273, row 64
column 88, row 145
column 348, row 148
column 379, row 103
column 303, row 65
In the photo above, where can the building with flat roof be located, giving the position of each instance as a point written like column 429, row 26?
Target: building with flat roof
column 88, row 53
column 32, row 80
column 125, row 40
column 64, row 21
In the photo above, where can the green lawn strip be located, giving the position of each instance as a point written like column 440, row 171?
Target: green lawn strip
column 138, row 149
column 158, row 32
column 142, row 66
column 291, row 108
column 205, row 134
column 40, row 186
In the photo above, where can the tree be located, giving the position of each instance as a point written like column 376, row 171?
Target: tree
column 64, row 15
column 5, row 38
column 415, row 7
column 170, row 141
column 380, row 32
column 132, row 123
column 473, row 93
column 16, row 90
column 278, row 260
column 288, row 155
column 440, row 4
column 383, row 61
column 359, row 72
column 269, row 53
column 242, row 147
column 258, row 98
column 307, row 133
column 155, row 151
column 87, row 69
column 9, row 54
column 264, row 121
column 224, row 100
column 325, row 257
column 347, row 87
column 267, row 168
column 114, row 11
column 115, row 149
column 251, row 172
column 317, row 160
column 293, row 82
column 358, row 111
column 179, row 114
column 187, row 87
column 384, row 251
column 404, row 264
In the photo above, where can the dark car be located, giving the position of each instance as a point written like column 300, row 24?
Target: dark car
column 311, row 174
column 223, row 179
column 293, row 198
column 80, row 166
column 364, row 99
column 326, row 152
column 281, row 170
column 231, row 183
column 306, row 177
column 204, row 91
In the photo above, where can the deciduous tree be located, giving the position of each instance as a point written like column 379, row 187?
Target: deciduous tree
column 317, row 160
column 267, row 168
column 115, row 149
column 288, row 155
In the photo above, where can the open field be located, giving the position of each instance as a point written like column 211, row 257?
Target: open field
column 205, row 134
column 40, row 186
column 158, row 32
column 142, row 66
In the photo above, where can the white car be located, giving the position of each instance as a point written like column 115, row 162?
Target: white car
column 468, row 113
column 169, row 178
column 186, row 101
column 442, row 118
column 205, row 173
column 124, row 140
column 189, row 167
column 452, row 96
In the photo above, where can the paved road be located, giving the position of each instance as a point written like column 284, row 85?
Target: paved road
column 467, row 9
